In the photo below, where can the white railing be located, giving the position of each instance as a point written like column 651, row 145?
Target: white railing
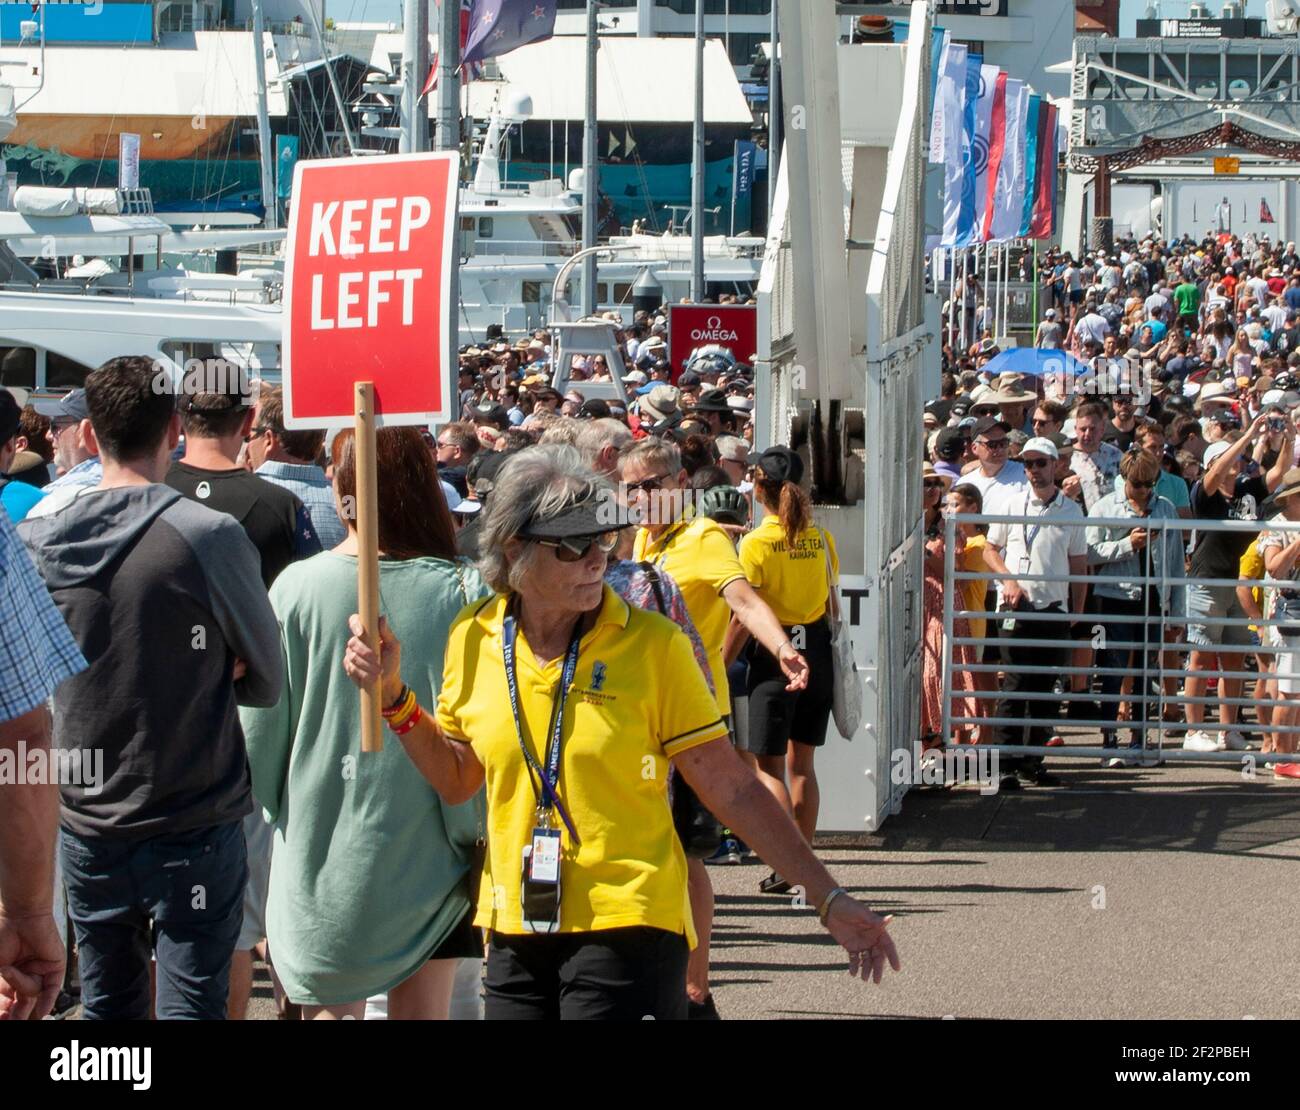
column 1155, row 636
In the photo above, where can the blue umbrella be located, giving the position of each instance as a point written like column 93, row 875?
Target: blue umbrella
column 1035, row 362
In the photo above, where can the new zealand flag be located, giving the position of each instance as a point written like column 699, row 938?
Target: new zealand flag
column 499, row 26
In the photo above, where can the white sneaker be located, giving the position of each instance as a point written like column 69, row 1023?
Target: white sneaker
column 1200, row 741
column 1235, row 741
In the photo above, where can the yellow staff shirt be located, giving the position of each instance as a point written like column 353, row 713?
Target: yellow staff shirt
column 792, row 580
column 638, row 699
column 701, row 559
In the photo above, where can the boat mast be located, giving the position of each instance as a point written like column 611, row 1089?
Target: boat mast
column 774, row 117
column 697, row 164
column 319, row 35
column 590, row 166
column 264, row 150
column 415, row 69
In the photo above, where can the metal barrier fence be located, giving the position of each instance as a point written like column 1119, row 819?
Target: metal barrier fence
column 1270, row 648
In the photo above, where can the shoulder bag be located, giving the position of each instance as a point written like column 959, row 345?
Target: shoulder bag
column 846, row 706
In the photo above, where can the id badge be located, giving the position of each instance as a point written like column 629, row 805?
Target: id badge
column 1024, row 565
column 544, row 861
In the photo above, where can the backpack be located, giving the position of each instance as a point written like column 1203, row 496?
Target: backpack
column 698, row 830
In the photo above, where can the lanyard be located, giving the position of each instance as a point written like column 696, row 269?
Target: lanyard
column 665, row 545
column 1024, row 528
column 550, row 775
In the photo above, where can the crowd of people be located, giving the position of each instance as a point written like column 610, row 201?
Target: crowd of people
column 1167, row 394
column 604, row 660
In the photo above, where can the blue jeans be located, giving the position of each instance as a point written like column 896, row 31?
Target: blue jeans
column 1130, row 645
column 180, row 895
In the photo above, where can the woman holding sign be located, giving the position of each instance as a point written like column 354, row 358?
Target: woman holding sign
column 570, row 705
column 370, row 871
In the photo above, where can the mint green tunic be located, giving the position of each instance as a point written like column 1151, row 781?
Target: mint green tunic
column 369, row 871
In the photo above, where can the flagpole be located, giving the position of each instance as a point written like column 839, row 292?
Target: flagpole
column 988, row 283
column 1035, row 275
column 952, row 296
column 447, row 102
column 590, row 165
column 774, row 117
column 415, row 70
column 965, row 277
column 697, row 165
column 447, row 137
column 265, row 150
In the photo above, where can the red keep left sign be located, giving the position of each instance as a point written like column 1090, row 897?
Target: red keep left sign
column 367, row 289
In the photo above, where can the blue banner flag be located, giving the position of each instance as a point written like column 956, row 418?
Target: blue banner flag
column 1031, row 165
column 499, row 26
column 966, row 214
column 286, row 157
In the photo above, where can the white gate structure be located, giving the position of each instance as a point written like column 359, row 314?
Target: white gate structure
column 843, row 342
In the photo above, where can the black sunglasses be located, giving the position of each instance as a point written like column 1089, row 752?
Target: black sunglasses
column 253, row 433
column 573, row 549
column 1141, row 485
column 647, row 485
column 994, row 444
column 1034, row 464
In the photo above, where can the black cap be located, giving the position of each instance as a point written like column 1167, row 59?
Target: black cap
column 11, row 415
column 595, row 409
column 1060, row 440
column 986, row 424
column 778, row 463
column 588, row 516
column 711, row 400
column 482, row 471
column 950, row 444
column 492, row 414
column 688, row 378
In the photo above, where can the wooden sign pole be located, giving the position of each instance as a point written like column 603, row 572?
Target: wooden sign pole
column 367, row 509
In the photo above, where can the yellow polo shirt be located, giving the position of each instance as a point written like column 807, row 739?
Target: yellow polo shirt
column 638, row 699
column 701, row 559
column 792, row 580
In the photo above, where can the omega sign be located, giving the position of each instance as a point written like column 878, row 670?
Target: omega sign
column 691, row 326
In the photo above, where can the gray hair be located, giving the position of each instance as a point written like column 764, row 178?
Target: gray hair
column 654, row 453
column 563, row 431
column 537, row 482
column 596, row 435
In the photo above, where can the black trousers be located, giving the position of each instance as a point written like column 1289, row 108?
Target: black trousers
column 1016, row 656
column 608, row 975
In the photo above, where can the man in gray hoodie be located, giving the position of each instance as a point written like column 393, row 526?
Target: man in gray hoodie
column 165, row 599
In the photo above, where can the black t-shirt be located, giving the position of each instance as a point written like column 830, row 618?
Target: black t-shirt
column 1122, row 440
column 1218, row 554
column 274, row 519
column 1288, row 339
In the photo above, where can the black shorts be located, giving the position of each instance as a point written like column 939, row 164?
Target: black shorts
column 776, row 715
column 464, row 942
column 1076, row 296
column 624, row 974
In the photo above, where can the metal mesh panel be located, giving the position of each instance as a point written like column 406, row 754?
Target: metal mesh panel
column 894, row 353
